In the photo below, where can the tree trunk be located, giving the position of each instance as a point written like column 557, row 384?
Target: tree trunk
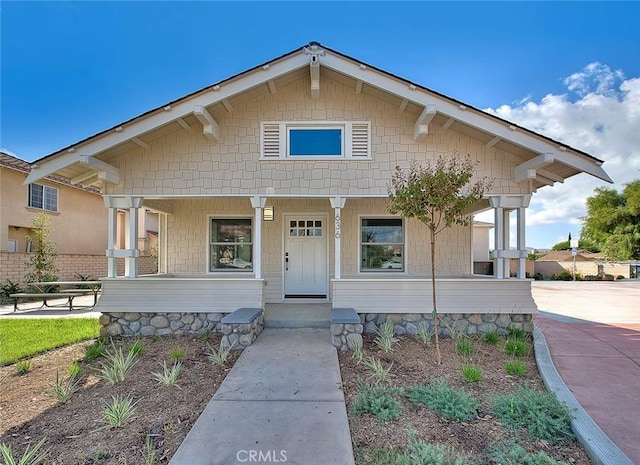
column 433, row 292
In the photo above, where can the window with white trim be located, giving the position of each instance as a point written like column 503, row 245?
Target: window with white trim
column 43, row 197
column 315, row 139
column 230, row 245
column 382, row 244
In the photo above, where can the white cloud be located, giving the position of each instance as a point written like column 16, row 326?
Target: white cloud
column 595, row 78
column 600, row 114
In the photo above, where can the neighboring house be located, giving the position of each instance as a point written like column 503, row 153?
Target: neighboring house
column 78, row 223
column 272, row 188
column 78, row 216
column 482, row 264
column 588, row 264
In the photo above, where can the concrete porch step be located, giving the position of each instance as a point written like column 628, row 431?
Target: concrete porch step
column 297, row 315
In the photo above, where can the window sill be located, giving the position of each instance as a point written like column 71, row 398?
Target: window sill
column 41, row 210
column 281, row 159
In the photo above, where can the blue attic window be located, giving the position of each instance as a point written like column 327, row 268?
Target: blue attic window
column 315, row 142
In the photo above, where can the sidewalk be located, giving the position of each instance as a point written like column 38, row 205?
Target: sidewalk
column 35, row 310
column 593, row 334
column 281, row 402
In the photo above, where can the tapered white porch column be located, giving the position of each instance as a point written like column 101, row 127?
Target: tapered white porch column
column 522, row 245
column 258, row 204
column 502, row 254
column 112, row 225
column 337, row 203
column 499, row 243
column 131, row 244
column 131, row 252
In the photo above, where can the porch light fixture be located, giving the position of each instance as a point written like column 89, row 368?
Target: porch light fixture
column 267, row 214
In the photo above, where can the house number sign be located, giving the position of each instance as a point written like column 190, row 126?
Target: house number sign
column 337, row 225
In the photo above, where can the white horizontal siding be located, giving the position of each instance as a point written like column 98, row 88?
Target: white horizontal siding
column 198, row 295
column 453, row 295
column 273, row 287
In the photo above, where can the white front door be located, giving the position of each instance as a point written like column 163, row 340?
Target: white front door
column 305, row 257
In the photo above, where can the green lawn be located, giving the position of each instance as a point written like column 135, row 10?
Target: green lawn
column 22, row 338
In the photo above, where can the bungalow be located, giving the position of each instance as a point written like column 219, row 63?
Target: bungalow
column 272, row 191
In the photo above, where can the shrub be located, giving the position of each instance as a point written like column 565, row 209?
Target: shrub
column 516, row 347
column 97, row 349
column 205, row 335
column 539, row 412
column 425, row 333
column 492, row 337
column 8, row 288
column 23, row 367
column 449, row 401
column 515, row 367
column 519, row 334
column 384, row 338
column 358, row 352
column 464, row 347
column 382, row 402
column 377, row 372
column 136, row 348
column 149, row 451
column 509, row 453
column 31, row 456
column 423, row 453
column 75, row 369
column 457, row 330
column 119, row 412
column 471, row 373
column 64, row 390
column 219, row 357
column 169, row 376
column 41, row 264
column 117, row 366
column 178, row 353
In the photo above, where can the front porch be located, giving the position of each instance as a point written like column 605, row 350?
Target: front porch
column 172, row 293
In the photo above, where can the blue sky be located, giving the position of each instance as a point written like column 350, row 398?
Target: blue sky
column 72, row 69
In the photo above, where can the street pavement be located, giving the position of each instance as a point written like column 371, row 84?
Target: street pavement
column 593, row 333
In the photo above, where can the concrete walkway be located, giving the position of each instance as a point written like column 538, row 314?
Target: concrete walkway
column 35, row 309
column 593, row 334
column 281, row 402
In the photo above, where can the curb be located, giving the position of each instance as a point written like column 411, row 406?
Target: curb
column 596, row 444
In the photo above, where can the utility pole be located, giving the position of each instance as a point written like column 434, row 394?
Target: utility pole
column 574, row 251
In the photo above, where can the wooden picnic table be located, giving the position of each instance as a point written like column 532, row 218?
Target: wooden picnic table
column 77, row 288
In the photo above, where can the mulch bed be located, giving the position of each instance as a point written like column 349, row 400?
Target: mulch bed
column 74, row 431
column 414, row 363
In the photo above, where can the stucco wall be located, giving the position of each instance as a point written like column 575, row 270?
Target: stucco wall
column 79, row 226
column 548, row 269
column 186, row 163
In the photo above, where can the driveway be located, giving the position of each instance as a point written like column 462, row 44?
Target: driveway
column 593, row 333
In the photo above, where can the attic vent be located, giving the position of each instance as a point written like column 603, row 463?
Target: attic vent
column 360, row 139
column 270, row 140
column 315, row 139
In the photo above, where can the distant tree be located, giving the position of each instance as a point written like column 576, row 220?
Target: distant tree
column 583, row 244
column 613, row 221
column 440, row 195
column 42, row 266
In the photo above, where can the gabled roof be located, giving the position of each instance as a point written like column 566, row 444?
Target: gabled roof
column 547, row 161
column 16, row 164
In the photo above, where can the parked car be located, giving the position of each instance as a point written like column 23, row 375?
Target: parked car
column 391, row 265
column 239, row 263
